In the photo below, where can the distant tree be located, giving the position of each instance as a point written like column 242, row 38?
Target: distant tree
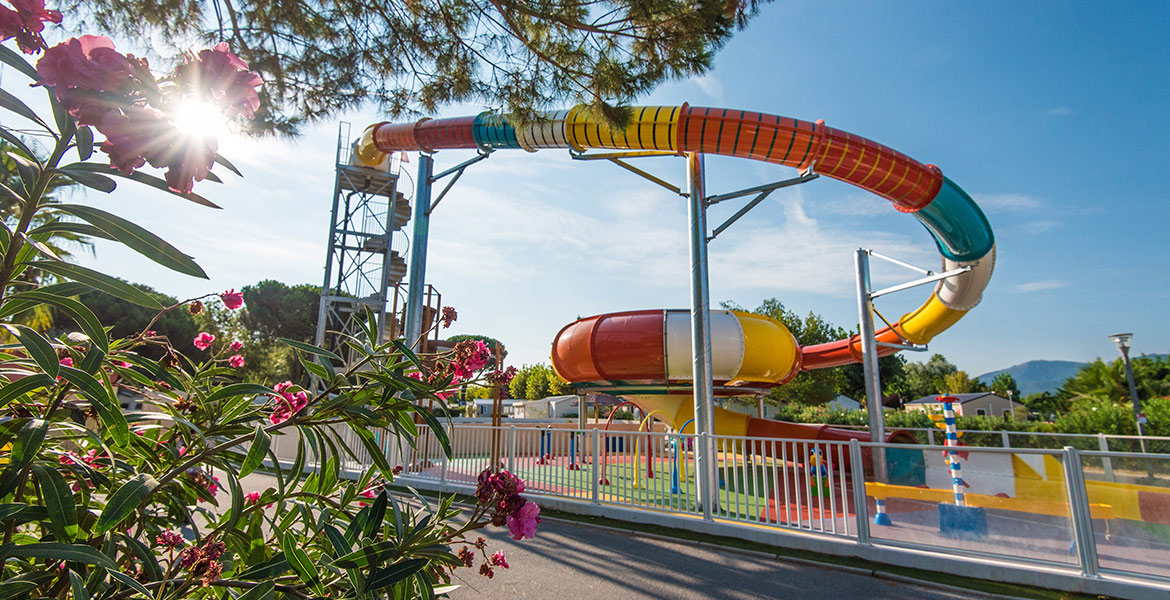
column 518, row 388
column 960, row 382
column 1047, row 405
column 276, row 310
column 537, row 384
column 926, row 379
column 1107, row 381
column 891, row 374
column 1005, row 385
column 319, row 58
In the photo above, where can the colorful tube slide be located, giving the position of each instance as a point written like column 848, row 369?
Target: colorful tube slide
column 652, row 348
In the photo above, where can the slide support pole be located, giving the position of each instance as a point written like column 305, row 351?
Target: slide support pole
column 873, row 385
column 418, row 253
column 701, row 336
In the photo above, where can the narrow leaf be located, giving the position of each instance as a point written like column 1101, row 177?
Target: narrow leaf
column 125, row 501
column 38, row 348
column 311, row 349
column 261, row 441
column 144, row 178
column 300, row 563
column 22, row 386
column 84, row 140
column 129, row 582
column 95, row 181
column 273, row 567
column 260, row 592
column 109, row 412
column 78, row 586
column 58, row 501
column 100, row 282
column 239, row 389
column 227, row 164
column 14, row 104
column 18, row 62
column 89, row 323
column 11, row 138
column 377, row 515
column 137, row 238
column 85, row 229
column 57, row 551
column 394, row 573
column 16, row 589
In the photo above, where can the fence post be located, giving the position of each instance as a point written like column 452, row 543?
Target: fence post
column 860, row 510
column 1106, row 462
column 511, row 448
column 930, row 437
column 1078, row 503
column 1007, row 439
column 595, row 473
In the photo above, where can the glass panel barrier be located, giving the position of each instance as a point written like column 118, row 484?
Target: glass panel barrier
column 1131, row 504
column 1012, row 504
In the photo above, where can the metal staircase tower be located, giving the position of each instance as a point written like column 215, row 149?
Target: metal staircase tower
column 362, row 269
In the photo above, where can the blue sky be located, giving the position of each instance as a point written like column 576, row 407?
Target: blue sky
column 1052, row 115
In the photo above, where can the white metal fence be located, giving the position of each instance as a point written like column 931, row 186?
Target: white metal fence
column 1099, row 514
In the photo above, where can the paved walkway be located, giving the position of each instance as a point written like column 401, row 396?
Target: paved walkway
column 570, row 561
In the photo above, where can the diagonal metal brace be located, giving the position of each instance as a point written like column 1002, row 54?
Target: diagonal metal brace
column 920, row 281
column 767, row 187
column 763, row 190
column 617, row 159
column 458, row 171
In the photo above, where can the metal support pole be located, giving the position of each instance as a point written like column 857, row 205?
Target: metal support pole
column 1106, row 462
column 1133, row 396
column 873, row 385
column 418, row 252
column 705, row 466
column 860, row 508
column 1078, row 504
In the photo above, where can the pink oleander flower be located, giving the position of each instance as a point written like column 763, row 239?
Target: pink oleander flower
column 89, row 62
column 26, row 23
column 288, row 403
column 224, row 79
column 252, row 498
column 236, row 361
column 203, row 340
column 122, row 363
column 135, row 135
column 213, row 485
column 67, row 361
column 498, row 559
column 169, row 539
column 232, row 299
column 182, row 450
column 236, row 345
column 523, row 523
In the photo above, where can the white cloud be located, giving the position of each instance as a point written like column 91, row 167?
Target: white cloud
column 1008, row 202
column 710, row 86
column 1041, row 226
column 1059, row 111
column 1039, row 286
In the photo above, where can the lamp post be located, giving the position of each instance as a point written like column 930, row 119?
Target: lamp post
column 1122, row 341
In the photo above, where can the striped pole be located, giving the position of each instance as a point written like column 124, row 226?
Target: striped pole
column 952, row 456
column 882, row 517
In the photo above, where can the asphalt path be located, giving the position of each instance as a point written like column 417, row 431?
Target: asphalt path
column 571, row 561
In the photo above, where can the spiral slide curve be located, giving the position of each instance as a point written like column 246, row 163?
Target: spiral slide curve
column 648, row 348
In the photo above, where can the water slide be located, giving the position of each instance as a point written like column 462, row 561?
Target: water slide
column 648, row 352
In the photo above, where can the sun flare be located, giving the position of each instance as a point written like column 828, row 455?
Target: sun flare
column 195, row 118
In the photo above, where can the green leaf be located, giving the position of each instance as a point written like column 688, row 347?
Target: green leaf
column 95, row 181
column 11, row 138
column 54, row 227
column 300, row 563
column 28, row 442
column 273, row 567
column 408, row 353
column 15, row 589
column 261, row 441
column 239, row 389
column 38, row 348
column 311, row 349
column 7, row 510
column 436, row 427
column 227, row 164
column 109, row 412
column 376, row 454
column 58, row 502
column 369, row 556
column 145, row 555
column 20, row 387
column 393, row 574
column 125, row 501
column 445, row 589
column 84, row 140
column 100, row 282
column 129, row 582
column 18, row 62
column 260, row 592
column 57, row 551
column 14, row 104
column 137, row 238
column 78, row 585
column 40, row 247
column 377, row 515
column 144, row 178
column 237, row 494
column 89, row 323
